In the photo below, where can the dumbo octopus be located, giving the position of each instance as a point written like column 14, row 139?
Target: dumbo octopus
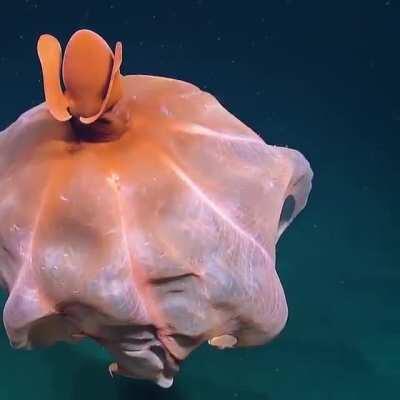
column 138, row 212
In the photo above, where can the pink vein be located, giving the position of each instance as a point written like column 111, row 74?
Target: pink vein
column 192, row 185
column 196, row 129
column 28, row 258
column 115, row 189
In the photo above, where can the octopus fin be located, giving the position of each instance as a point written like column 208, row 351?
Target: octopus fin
column 111, row 86
column 50, row 56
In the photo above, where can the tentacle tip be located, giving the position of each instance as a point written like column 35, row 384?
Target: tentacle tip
column 223, row 341
column 165, row 382
column 113, row 369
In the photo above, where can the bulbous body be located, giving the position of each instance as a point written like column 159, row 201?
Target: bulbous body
column 152, row 241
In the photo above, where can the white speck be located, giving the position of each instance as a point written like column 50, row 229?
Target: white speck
column 113, row 179
column 165, row 111
column 63, row 198
column 14, row 228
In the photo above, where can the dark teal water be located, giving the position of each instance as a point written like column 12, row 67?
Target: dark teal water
column 321, row 77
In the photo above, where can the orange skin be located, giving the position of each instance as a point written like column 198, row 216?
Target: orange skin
column 137, row 211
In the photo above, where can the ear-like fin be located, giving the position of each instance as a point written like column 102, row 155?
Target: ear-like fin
column 50, row 56
column 114, row 72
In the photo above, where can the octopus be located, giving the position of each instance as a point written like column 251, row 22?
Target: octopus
column 137, row 212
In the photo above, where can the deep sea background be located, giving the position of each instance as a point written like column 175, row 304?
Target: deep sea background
column 319, row 76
